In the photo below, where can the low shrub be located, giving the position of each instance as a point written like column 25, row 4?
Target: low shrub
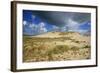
column 74, row 48
column 87, row 46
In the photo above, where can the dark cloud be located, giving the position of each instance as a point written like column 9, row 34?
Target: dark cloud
column 36, row 22
column 61, row 18
column 82, row 17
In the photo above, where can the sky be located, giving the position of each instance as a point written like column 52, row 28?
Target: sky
column 39, row 22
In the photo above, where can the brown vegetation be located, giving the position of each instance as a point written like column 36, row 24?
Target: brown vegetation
column 37, row 49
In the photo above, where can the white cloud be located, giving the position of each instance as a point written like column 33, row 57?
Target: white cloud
column 37, row 28
column 79, row 30
column 42, row 28
column 75, row 26
column 64, row 28
column 25, row 23
column 32, row 25
column 42, row 24
column 33, row 17
column 72, row 25
column 55, row 28
column 82, row 31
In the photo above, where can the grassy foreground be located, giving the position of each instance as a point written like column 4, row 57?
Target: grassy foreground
column 37, row 49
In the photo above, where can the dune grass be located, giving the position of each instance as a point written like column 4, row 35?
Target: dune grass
column 38, row 49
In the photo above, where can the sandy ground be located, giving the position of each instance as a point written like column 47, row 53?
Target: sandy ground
column 73, row 46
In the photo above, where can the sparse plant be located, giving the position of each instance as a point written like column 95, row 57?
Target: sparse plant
column 77, row 41
column 48, row 49
column 87, row 46
column 74, row 48
column 59, row 49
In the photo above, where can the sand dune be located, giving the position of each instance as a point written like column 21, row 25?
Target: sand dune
column 56, row 46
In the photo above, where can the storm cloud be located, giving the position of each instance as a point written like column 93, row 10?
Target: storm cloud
column 37, row 22
column 62, row 18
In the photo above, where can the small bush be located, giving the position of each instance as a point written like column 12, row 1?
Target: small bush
column 74, row 48
column 87, row 46
column 77, row 41
column 59, row 49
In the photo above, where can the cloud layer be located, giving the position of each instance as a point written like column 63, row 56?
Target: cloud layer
column 32, row 29
column 38, row 22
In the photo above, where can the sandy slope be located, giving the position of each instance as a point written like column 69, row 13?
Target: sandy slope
column 48, row 41
column 72, row 35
